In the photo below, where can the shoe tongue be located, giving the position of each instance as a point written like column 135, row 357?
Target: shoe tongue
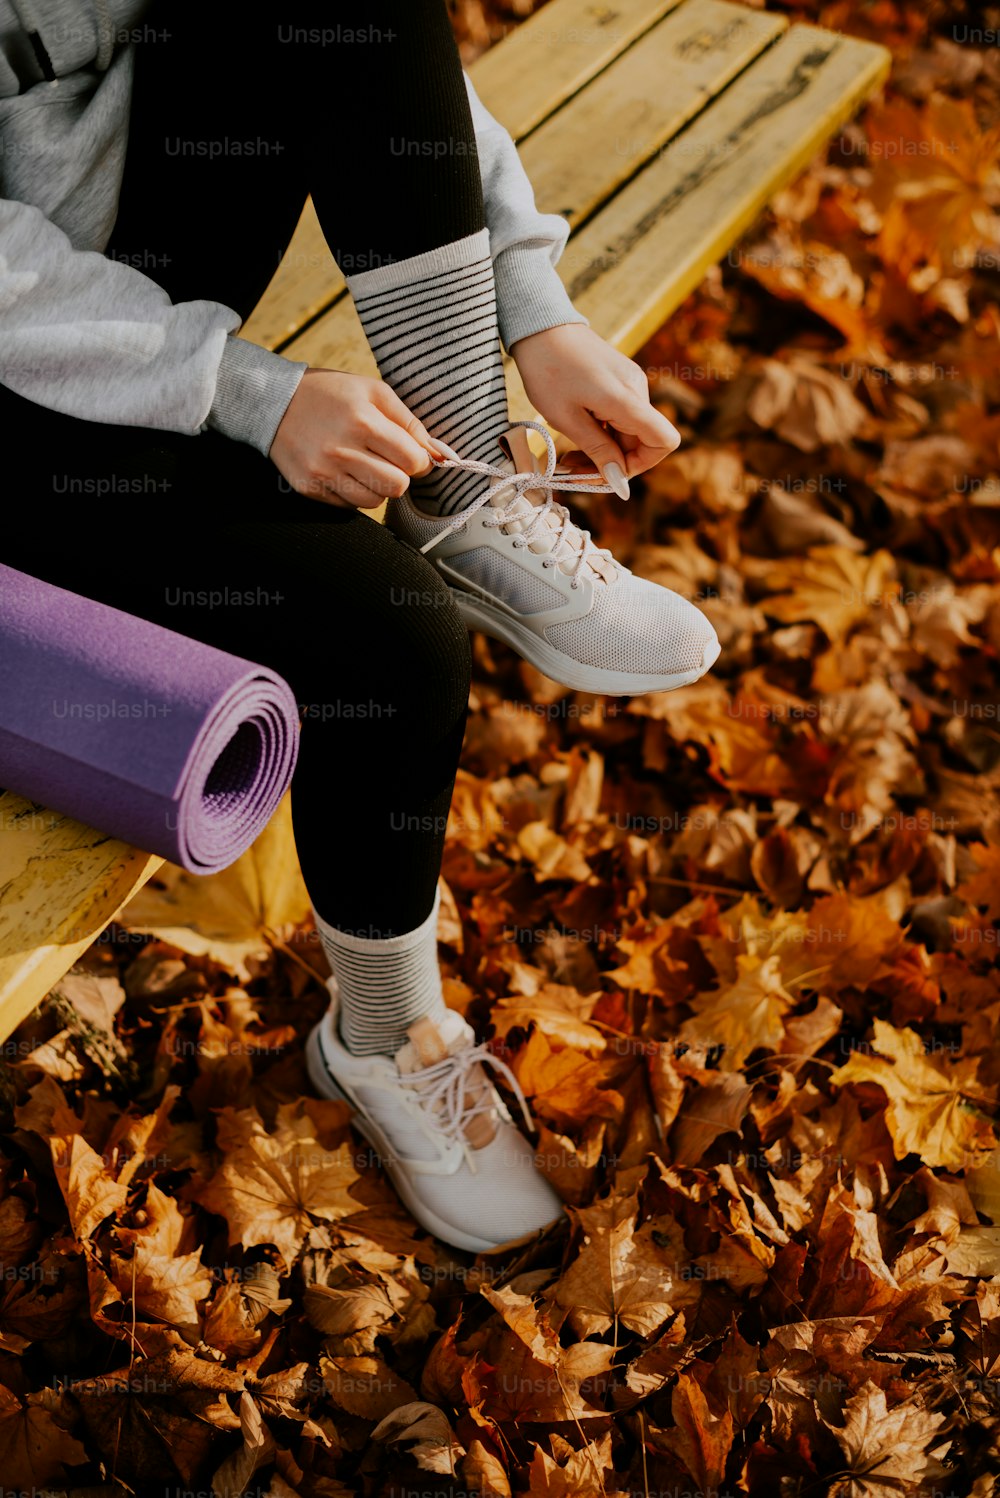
column 520, row 459
column 426, row 1046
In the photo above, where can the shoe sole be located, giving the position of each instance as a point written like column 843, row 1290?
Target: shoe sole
column 323, row 1081
column 479, row 614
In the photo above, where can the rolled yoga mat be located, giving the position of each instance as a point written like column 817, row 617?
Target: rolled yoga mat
column 177, row 747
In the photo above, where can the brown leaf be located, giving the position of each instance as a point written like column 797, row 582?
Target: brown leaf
column 563, row 1085
column 931, row 1107
column 700, row 1439
column 89, row 1191
column 888, row 1450
column 227, row 916
column 232, row 1478
column 804, row 404
column 271, row 1186
column 425, row 1429
column 624, row 1273
column 743, row 1016
column 365, row 1386
column 581, row 1474
column 35, row 1449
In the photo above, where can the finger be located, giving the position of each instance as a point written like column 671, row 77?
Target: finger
column 389, row 402
column 396, row 446
column 601, row 447
column 654, row 437
column 369, row 476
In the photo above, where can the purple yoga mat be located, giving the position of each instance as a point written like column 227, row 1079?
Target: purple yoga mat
column 170, row 744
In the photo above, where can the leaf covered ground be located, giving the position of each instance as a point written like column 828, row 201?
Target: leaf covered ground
column 738, row 943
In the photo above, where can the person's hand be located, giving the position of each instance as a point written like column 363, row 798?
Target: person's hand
column 597, row 398
column 349, row 440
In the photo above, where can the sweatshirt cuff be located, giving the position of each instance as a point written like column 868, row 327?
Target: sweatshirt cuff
column 530, row 294
column 252, row 392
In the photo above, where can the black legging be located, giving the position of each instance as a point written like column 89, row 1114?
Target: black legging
column 202, row 534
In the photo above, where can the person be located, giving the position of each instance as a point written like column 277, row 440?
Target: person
column 154, row 160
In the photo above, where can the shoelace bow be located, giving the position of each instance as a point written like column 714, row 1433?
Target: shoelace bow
column 444, row 1083
column 538, row 522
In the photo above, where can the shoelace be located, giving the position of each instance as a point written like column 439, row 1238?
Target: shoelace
column 537, row 525
column 444, row 1082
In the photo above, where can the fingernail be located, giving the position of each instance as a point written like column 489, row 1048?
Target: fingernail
column 614, row 476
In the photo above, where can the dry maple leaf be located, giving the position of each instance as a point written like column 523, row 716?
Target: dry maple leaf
column 365, row 1386
column 508, row 1383
column 820, row 277
column 557, row 1010
column 553, row 857
column 649, row 965
column 345, row 1311
column 227, row 916
column 842, row 941
column 716, row 1106
column 803, row 403
column 426, row 1431
column 232, row 1478
column 700, row 1439
column 579, row 1474
column 90, row 1192
column 746, row 1014
column 483, row 1472
column 887, row 1451
column 521, row 1315
column 931, row 1102
column 836, row 588
column 563, row 1085
column 244, row 1300
column 983, row 889
column 624, row 1273
column 163, row 1285
column 937, row 195
column 271, row 1187
column 34, row 1449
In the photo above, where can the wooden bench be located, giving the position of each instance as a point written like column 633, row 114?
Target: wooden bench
column 660, row 129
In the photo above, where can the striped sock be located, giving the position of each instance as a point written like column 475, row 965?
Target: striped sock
column 384, row 983
column 431, row 322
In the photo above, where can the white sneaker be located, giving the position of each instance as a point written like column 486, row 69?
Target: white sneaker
column 452, row 1150
column 521, row 571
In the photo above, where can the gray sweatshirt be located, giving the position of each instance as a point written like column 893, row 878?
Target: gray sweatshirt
column 98, row 339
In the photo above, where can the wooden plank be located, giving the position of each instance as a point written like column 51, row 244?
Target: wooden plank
column 637, row 259
column 60, row 884
column 555, row 52
column 306, row 281
column 579, row 157
column 519, row 86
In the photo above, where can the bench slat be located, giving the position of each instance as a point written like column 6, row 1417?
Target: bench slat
column 306, row 281
column 709, row 185
column 555, row 52
column 60, row 885
column 579, row 157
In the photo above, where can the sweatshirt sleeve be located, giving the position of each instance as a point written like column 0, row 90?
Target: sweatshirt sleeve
column 96, row 339
column 524, row 243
